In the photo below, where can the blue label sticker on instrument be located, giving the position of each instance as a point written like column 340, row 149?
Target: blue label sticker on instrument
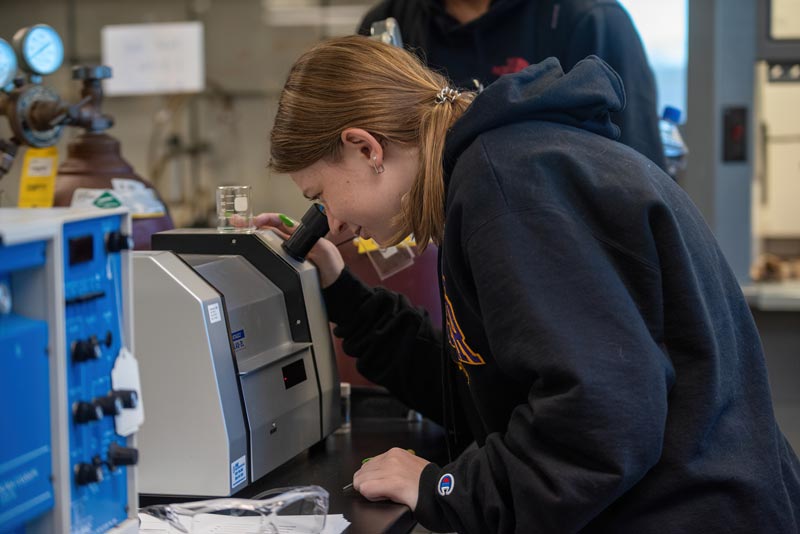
column 238, row 340
column 239, row 471
column 446, row 484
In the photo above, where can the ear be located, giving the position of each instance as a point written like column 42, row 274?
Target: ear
column 363, row 145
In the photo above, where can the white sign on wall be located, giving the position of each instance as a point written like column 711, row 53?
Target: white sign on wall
column 154, row 58
column 785, row 23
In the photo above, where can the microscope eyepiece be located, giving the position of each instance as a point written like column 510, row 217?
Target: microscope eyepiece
column 313, row 226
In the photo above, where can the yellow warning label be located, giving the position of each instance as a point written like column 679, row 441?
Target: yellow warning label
column 38, row 181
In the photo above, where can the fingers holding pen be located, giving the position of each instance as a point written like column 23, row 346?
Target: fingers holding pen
column 392, row 475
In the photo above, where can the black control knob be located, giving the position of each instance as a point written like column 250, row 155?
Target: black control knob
column 109, row 338
column 118, row 455
column 110, row 405
column 86, row 412
column 88, row 473
column 84, row 350
column 117, row 241
column 129, row 397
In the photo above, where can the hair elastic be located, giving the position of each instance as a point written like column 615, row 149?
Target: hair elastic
column 446, row 94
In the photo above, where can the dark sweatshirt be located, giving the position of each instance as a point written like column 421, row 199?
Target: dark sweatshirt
column 599, row 346
column 516, row 33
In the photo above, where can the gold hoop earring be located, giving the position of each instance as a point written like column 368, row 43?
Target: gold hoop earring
column 378, row 168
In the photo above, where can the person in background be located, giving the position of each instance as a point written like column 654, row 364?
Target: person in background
column 597, row 346
column 481, row 40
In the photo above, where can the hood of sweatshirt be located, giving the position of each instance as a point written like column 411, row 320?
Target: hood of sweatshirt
column 583, row 98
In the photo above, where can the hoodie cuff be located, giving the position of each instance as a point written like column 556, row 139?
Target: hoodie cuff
column 429, row 512
column 344, row 297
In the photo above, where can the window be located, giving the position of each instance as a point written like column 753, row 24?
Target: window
column 662, row 25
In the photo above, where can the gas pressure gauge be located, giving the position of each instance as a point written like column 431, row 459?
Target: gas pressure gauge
column 8, row 64
column 39, row 48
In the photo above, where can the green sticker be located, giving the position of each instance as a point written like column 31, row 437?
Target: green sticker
column 107, row 200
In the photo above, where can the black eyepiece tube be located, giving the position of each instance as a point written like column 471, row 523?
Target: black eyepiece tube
column 313, row 225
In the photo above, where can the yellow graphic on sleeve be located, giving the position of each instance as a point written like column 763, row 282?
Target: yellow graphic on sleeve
column 457, row 339
column 37, row 184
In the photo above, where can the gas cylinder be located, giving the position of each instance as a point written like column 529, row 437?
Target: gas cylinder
column 94, row 158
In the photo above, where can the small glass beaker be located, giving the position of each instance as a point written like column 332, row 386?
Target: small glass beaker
column 234, row 209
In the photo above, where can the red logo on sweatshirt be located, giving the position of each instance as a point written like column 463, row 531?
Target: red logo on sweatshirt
column 513, row 64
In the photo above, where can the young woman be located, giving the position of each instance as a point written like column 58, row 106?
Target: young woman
column 598, row 348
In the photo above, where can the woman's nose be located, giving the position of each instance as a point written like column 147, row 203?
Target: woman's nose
column 334, row 224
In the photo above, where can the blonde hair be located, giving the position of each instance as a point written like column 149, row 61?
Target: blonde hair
column 356, row 82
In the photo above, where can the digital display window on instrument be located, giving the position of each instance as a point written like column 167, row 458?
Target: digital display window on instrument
column 294, row 374
column 81, row 249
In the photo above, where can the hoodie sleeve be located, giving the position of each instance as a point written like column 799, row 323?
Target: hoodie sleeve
column 559, row 316
column 395, row 343
column 608, row 32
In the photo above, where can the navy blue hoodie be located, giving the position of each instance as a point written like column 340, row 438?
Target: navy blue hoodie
column 516, row 33
column 598, row 345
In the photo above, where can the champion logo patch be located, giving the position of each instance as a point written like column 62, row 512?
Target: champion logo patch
column 446, row 484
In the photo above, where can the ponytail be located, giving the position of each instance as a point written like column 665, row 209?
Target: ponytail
column 356, row 82
column 423, row 207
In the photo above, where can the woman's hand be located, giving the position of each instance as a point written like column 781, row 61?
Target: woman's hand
column 393, row 475
column 323, row 254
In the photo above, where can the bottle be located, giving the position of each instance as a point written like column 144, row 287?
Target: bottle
column 344, row 388
column 675, row 150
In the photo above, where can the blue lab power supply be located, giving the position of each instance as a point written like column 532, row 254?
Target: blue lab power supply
column 65, row 457
column 98, row 456
column 26, row 490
